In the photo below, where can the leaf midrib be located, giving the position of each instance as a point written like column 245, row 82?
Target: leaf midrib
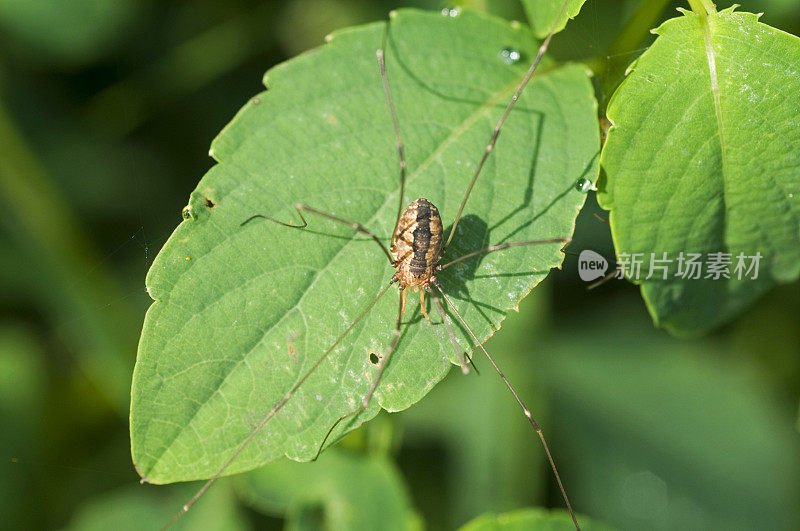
column 712, row 71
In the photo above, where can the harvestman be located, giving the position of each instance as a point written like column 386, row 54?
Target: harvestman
column 415, row 252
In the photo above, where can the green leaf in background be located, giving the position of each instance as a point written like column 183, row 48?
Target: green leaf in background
column 542, row 14
column 242, row 312
column 776, row 9
column 141, row 507
column 703, row 158
column 660, row 433
column 530, row 520
column 338, row 491
column 67, row 33
column 23, row 391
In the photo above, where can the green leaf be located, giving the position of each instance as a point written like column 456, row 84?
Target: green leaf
column 342, row 490
column 661, row 433
column 703, row 158
column 137, row 507
column 530, row 520
column 23, row 393
column 242, row 312
column 542, row 14
column 67, row 33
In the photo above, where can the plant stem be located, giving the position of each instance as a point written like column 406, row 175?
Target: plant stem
column 702, row 7
column 610, row 68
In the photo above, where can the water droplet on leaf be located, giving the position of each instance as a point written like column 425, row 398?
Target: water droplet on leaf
column 187, row 213
column 451, row 12
column 584, row 185
column 510, row 55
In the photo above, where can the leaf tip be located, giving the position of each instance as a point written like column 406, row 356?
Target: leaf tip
column 142, row 478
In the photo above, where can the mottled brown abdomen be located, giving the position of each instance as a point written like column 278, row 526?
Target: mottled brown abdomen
column 416, row 244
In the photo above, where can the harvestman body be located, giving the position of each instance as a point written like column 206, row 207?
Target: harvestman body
column 416, row 248
column 415, row 251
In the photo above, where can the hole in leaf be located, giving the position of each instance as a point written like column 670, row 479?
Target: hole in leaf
column 374, row 358
column 210, row 203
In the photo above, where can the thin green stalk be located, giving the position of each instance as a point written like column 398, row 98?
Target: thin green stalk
column 702, row 7
column 610, row 68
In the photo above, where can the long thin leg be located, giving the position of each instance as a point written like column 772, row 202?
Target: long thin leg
column 459, row 351
column 496, row 132
column 262, row 216
column 277, row 407
column 603, row 280
column 381, row 367
column 399, row 141
column 500, row 247
column 300, row 207
column 525, row 409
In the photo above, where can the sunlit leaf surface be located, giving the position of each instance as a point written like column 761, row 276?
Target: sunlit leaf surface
column 703, row 158
column 241, row 313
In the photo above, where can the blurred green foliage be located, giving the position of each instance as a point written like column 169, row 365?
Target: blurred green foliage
column 527, row 519
column 106, row 112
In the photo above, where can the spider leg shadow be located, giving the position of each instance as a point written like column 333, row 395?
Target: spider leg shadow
column 543, row 211
column 454, row 280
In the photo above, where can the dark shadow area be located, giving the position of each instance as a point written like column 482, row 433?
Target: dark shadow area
column 542, row 212
column 454, row 280
column 528, row 194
